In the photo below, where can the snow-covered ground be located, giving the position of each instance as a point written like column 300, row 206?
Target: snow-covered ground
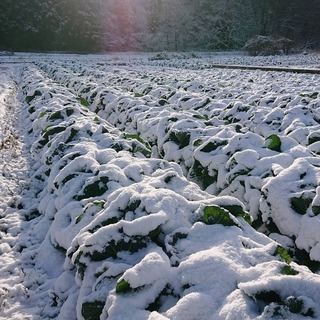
column 153, row 186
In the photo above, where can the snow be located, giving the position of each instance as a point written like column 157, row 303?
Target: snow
column 158, row 189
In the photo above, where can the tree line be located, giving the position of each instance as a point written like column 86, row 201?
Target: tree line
column 153, row 25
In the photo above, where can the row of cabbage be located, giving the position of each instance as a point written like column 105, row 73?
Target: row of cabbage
column 141, row 241
column 209, row 60
column 252, row 135
column 200, row 60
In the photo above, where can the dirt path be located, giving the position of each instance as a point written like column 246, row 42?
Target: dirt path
column 17, row 198
column 11, row 158
column 13, row 174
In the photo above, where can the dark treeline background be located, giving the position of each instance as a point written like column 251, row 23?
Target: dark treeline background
column 153, row 25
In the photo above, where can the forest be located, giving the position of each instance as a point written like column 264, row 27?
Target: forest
column 153, row 25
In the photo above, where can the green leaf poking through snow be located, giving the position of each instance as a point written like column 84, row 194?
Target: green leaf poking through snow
column 316, row 210
column 300, row 205
column 289, row 271
column 133, row 136
column 84, row 102
column 237, row 211
column 217, row 215
column 123, row 287
column 274, row 143
column 92, row 310
column 182, row 139
column 79, row 218
column 28, row 99
column 283, row 253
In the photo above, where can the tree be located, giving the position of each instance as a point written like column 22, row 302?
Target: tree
column 96, row 25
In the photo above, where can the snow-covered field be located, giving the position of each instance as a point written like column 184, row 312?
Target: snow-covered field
column 153, row 186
